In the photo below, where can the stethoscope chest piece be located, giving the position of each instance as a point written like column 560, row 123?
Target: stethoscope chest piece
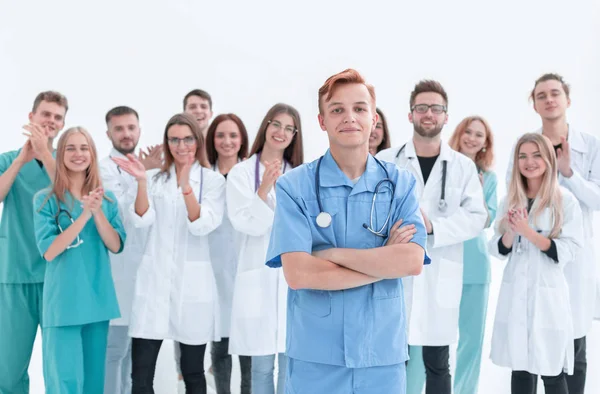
column 323, row 220
column 443, row 205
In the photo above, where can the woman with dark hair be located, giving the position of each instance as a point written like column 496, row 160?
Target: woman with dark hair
column 259, row 301
column 175, row 291
column 380, row 135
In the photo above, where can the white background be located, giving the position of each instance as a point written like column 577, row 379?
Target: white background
column 250, row 55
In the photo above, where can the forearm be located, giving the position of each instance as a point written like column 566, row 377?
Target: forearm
column 8, row 178
column 192, row 206
column 386, row 262
column 66, row 238
column 141, row 199
column 303, row 271
column 508, row 239
column 108, row 234
column 541, row 242
column 49, row 164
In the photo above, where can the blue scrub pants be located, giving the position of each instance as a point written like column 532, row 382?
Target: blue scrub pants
column 313, row 378
column 473, row 310
column 74, row 358
column 20, row 316
column 118, row 361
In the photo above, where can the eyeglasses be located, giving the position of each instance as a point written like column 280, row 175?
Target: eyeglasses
column 188, row 141
column 423, row 108
column 278, row 126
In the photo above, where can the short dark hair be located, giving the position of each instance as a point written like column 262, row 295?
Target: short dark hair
column 200, row 93
column 50, row 96
column 551, row 77
column 120, row 111
column 425, row 86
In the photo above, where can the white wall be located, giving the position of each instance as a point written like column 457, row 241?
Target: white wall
column 249, row 55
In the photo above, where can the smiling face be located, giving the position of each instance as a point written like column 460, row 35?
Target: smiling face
column 228, row 139
column 280, row 132
column 473, row 139
column 349, row 116
column 49, row 115
column 376, row 136
column 199, row 108
column 531, row 163
column 550, row 100
column 77, row 154
column 182, row 143
column 428, row 124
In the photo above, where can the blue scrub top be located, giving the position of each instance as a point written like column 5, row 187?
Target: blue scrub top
column 20, row 261
column 477, row 267
column 359, row 327
column 78, row 286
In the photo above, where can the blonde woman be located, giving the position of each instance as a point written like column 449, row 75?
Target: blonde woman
column 76, row 224
column 540, row 231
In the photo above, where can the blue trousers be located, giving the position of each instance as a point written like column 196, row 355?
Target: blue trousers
column 263, row 368
column 74, row 358
column 118, row 361
column 473, row 310
column 313, row 378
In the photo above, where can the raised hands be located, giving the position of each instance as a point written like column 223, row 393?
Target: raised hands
column 518, row 219
column 92, row 202
column 131, row 165
column 272, row 172
column 563, row 155
column 37, row 138
column 152, row 157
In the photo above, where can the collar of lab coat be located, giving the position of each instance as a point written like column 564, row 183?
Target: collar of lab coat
column 575, row 140
column 332, row 176
column 116, row 153
column 445, row 151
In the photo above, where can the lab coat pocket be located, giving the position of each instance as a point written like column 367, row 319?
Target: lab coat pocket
column 552, row 308
column 198, row 281
column 449, row 286
column 316, row 302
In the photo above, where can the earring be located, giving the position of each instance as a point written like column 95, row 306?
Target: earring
column 483, row 149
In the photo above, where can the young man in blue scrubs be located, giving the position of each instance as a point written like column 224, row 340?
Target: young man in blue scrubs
column 343, row 254
column 22, row 174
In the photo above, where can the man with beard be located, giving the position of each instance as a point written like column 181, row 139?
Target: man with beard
column 124, row 133
column 21, row 266
column 452, row 205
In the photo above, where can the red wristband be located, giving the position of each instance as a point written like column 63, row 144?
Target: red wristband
column 190, row 190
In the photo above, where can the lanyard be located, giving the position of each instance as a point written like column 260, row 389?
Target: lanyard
column 201, row 185
column 257, row 168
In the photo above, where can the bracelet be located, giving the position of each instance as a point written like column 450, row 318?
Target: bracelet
column 190, row 190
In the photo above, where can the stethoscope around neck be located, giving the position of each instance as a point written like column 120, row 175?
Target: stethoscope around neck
column 324, row 219
column 442, row 204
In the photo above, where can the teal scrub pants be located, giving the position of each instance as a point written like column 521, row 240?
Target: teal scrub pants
column 471, row 328
column 20, row 316
column 74, row 358
column 313, row 378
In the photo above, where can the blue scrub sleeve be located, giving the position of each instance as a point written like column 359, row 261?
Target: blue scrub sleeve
column 291, row 228
column 44, row 221
column 115, row 219
column 408, row 210
column 6, row 159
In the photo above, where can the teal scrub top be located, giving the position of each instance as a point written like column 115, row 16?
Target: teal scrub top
column 359, row 327
column 78, row 286
column 477, row 269
column 20, row 261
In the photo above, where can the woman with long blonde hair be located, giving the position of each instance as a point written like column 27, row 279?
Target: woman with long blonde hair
column 539, row 233
column 79, row 295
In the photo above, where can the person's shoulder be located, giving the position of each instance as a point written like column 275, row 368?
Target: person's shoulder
column 388, row 154
column 42, row 196
column 402, row 177
column 567, row 195
column 11, row 155
column 297, row 178
column 243, row 167
column 213, row 176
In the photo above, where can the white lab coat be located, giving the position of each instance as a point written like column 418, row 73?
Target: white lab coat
column 125, row 264
column 258, row 319
column 175, row 289
column 224, row 253
column 533, row 328
column 585, row 185
column 433, row 298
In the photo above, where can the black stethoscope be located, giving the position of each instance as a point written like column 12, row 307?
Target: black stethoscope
column 78, row 241
column 324, row 218
column 442, row 204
